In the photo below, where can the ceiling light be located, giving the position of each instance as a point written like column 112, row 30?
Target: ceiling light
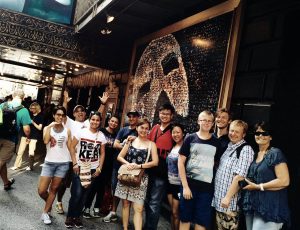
column 106, row 31
column 109, row 18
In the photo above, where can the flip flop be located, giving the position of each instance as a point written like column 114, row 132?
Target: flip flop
column 7, row 186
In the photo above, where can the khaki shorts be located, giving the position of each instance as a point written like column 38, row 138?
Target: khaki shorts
column 7, row 150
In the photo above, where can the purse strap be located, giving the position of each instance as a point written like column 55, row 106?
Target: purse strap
column 149, row 151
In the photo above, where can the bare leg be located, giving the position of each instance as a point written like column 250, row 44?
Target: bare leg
column 125, row 213
column 184, row 225
column 175, row 213
column 43, row 187
column 52, row 193
column 138, row 216
column 116, row 201
column 199, row 227
column 170, row 200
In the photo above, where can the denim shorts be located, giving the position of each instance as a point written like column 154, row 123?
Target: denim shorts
column 55, row 169
column 197, row 210
column 174, row 190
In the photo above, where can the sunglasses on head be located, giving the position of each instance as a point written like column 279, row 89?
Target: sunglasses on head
column 265, row 133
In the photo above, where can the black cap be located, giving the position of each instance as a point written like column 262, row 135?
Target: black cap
column 134, row 113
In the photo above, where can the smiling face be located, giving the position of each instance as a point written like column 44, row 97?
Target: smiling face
column 113, row 123
column 205, row 121
column 222, row 120
column 143, row 129
column 165, row 116
column 133, row 120
column 79, row 114
column 95, row 121
column 59, row 116
column 177, row 134
column 262, row 137
column 237, row 131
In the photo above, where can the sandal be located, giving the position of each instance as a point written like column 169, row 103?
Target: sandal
column 9, row 184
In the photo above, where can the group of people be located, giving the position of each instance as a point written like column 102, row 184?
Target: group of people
column 210, row 178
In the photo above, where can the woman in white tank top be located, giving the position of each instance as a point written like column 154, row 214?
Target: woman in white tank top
column 57, row 139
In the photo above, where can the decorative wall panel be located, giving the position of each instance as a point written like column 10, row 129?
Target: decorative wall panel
column 39, row 36
column 185, row 64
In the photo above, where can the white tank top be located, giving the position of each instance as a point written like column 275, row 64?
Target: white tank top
column 57, row 150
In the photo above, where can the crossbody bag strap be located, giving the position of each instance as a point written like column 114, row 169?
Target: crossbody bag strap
column 149, row 151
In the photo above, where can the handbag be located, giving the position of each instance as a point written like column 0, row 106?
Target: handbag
column 85, row 173
column 132, row 177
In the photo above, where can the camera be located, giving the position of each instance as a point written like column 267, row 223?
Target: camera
column 243, row 183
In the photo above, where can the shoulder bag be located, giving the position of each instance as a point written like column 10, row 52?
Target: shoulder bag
column 133, row 177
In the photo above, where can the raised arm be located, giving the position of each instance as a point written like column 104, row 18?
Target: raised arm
column 103, row 100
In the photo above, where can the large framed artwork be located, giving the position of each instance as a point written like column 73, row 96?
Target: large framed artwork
column 190, row 64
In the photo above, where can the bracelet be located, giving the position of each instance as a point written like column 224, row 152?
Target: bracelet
column 74, row 165
column 261, row 187
column 141, row 166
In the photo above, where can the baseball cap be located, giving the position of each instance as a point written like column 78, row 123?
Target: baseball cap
column 134, row 113
column 77, row 107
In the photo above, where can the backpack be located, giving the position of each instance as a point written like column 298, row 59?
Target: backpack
column 238, row 150
column 8, row 127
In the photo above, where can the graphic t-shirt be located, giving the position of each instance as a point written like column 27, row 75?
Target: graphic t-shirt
column 172, row 161
column 57, row 150
column 202, row 156
column 88, row 148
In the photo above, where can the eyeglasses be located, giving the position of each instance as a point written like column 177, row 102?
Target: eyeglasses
column 206, row 121
column 265, row 133
column 60, row 114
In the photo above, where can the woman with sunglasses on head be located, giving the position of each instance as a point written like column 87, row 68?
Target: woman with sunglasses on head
column 87, row 148
column 265, row 202
column 57, row 139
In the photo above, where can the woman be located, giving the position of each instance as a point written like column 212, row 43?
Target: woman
column 57, row 140
column 35, row 135
column 265, row 202
column 90, row 143
column 173, row 188
column 134, row 155
column 110, row 133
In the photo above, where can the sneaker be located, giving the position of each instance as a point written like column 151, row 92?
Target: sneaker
column 96, row 212
column 46, row 218
column 28, row 169
column 77, row 222
column 69, row 223
column 7, row 186
column 87, row 214
column 59, row 208
column 14, row 168
column 110, row 217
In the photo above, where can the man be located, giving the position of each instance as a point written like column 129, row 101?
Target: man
column 8, row 144
column 76, row 125
column 158, row 176
column 223, row 119
column 126, row 133
column 197, row 161
column 233, row 167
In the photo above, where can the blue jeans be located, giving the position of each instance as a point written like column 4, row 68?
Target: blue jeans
column 255, row 222
column 155, row 194
column 78, row 197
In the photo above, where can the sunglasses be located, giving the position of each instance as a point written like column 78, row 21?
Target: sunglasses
column 265, row 133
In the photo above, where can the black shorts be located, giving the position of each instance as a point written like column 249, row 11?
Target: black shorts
column 174, row 190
